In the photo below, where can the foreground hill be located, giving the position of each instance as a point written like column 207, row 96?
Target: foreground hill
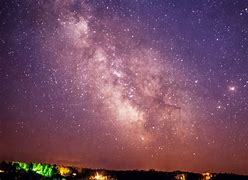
column 21, row 170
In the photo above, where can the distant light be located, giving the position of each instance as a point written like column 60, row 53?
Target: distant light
column 1, row 171
column 98, row 176
column 207, row 176
column 64, row 171
column 180, row 177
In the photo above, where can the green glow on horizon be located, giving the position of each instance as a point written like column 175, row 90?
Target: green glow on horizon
column 42, row 169
column 23, row 166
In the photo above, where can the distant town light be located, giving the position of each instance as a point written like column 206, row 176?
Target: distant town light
column 207, row 176
column 99, row 176
column 64, row 171
column 181, row 177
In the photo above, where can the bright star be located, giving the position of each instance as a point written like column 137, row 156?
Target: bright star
column 232, row 88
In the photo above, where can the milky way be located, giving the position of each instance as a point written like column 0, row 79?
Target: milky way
column 119, row 85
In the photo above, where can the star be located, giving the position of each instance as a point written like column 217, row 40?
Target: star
column 232, row 88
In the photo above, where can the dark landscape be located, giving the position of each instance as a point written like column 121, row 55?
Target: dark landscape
column 21, row 170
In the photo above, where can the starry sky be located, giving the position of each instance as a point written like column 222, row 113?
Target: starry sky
column 125, row 84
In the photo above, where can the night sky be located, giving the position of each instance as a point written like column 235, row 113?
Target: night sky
column 125, row 84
